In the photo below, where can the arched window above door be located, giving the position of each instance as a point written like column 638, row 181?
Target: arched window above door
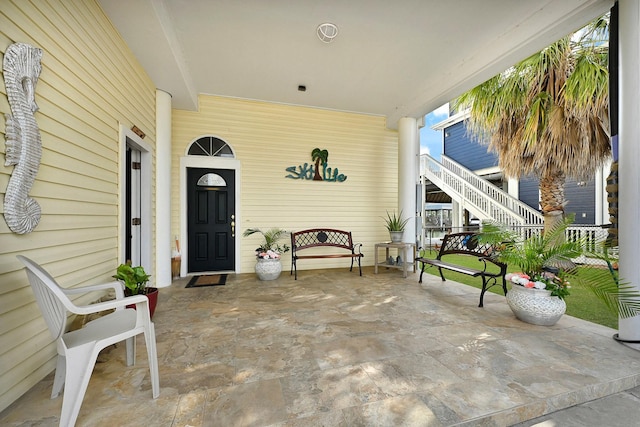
column 211, row 179
column 210, row 146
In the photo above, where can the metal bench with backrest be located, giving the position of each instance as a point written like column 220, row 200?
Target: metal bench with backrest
column 323, row 237
column 467, row 243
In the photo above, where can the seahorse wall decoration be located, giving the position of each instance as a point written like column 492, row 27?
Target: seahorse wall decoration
column 22, row 68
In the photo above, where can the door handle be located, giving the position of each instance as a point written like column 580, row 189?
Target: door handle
column 233, row 229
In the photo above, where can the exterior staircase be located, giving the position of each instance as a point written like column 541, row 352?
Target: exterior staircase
column 477, row 195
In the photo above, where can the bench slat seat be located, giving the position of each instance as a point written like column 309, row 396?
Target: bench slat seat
column 323, row 237
column 467, row 244
column 456, row 268
column 327, row 256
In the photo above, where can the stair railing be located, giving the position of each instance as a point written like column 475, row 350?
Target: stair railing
column 477, row 194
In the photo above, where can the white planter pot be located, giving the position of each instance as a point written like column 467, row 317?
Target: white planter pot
column 268, row 269
column 535, row 306
column 396, row 236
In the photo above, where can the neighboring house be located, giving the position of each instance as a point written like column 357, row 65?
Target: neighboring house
column 584, row 199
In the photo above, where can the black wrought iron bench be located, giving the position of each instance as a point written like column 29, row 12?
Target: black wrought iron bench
column 467, row 244
column 323, row 237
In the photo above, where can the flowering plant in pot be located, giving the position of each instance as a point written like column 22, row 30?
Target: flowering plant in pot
column 545, row 259
column 547, row 267
column 269, row 248
column 551, row 280
column 268, row 253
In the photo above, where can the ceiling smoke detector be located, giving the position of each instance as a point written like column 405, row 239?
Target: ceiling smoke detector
column 327, row 32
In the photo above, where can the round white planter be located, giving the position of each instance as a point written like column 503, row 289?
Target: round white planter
column 535, row 306
column 268, row 269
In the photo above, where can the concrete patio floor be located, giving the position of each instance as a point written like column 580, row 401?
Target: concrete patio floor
column 337, row 349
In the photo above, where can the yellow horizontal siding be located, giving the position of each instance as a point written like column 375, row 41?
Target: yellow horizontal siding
column 73, row 260
column 90, row 84
column 15, row 318
column 269, row 138
column 43, row 356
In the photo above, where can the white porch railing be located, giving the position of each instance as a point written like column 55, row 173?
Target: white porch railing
column 592, row 238
column 476, row 194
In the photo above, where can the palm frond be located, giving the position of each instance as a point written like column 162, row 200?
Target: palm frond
column 619, row 297
column 534, row 252
column 271, row 238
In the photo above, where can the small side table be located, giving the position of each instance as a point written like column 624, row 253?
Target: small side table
column 403, row 251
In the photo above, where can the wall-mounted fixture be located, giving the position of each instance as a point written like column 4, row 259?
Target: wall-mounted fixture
column 318, row 172
column 22, row 65
column 138, row 132
column 327, row 32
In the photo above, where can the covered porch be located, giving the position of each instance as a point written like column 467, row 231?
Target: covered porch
column 334, row 348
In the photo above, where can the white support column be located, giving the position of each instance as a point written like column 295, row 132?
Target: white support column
column 408, row 158
column 421, row 203
column 456, row 217
column 602, row 207
column 629, row 156
column 513, row 187
column 163, row 189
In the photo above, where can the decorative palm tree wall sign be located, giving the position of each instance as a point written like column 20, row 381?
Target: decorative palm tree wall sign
column 318, row 172
column 318, row 156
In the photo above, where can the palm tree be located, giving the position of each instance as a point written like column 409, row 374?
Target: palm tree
column 318, row 156
column 548, row 115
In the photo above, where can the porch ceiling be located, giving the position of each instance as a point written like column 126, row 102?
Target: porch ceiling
column 396, row 59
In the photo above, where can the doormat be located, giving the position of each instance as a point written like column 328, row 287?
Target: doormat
column 207, row 280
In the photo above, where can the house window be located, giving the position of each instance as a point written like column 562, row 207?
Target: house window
column 210, row 146
column 212, row 180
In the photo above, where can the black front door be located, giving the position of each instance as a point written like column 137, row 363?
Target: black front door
column 211, row 219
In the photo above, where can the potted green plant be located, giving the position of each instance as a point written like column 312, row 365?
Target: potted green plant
column 395, row 224
column 268, row 265
column 545, row 259
column 546, row 267
column 135, row 281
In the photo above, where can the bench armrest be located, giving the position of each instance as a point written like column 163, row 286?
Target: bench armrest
column 484, row 259
column 357, row 246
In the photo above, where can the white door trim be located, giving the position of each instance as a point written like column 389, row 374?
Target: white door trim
column 127, row 137
column 209, row 163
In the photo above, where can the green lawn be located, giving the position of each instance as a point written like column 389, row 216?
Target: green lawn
column 582, row 303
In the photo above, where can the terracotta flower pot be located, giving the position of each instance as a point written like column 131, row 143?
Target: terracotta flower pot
column 152, row 295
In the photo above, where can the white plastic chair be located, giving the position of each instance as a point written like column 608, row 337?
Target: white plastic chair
column 78, row 350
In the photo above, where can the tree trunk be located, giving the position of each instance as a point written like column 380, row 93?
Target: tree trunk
column 317, row 176
column 612, row 198
column 552, row 198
